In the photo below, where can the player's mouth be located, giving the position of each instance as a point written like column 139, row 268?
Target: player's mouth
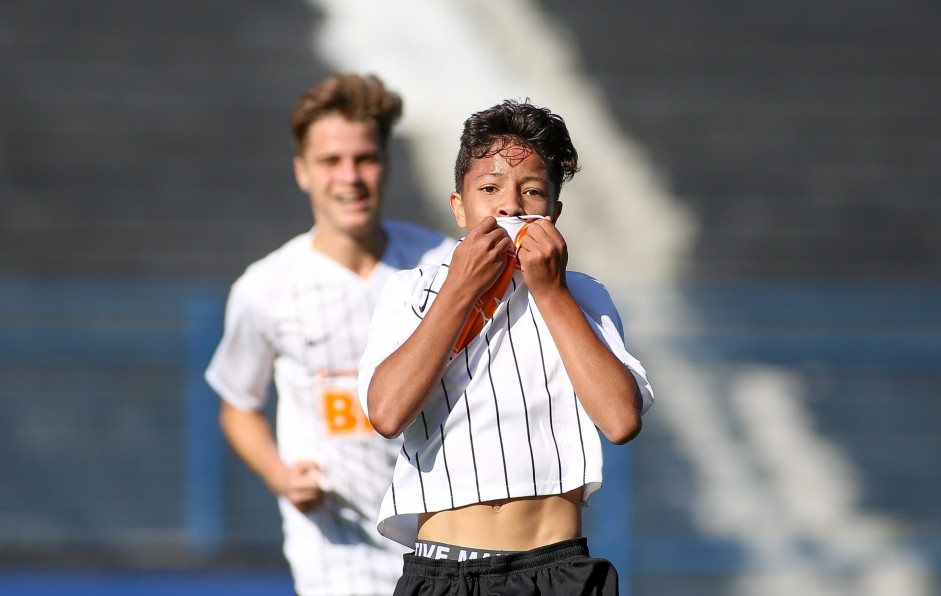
column 351, row 199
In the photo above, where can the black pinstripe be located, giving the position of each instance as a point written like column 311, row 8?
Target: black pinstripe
column 549, row 400
column 470, row 427
column 444, row 451
column 355, row 352
column 421, row 477
column 496, row 407
column 330, row 360
column 581, row 437
column 519, row 378
column 421, row 480
column 299, row 321
column 447, row 471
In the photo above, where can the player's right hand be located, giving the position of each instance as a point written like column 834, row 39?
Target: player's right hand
column 303, row 486
column 481, row 257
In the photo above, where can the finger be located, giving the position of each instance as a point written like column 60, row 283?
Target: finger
column 306, row 478
column 535, row 242
column 495, row 234
column 542, row 230
column 307, row 485
column 494, row 247
column 505, row 245
column 487, row 224
column 307, row 465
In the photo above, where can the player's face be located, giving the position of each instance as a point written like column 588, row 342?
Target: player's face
column 342, row 170
column 513, row 182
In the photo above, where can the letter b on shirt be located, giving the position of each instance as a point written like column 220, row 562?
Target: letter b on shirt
column 343, row 414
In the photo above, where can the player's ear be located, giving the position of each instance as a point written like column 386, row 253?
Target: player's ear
column 300, row 173
column 457, row 207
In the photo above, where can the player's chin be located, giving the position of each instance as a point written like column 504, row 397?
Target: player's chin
column 363, row 227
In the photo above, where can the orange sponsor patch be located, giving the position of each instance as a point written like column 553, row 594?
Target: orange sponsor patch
column 342, row 412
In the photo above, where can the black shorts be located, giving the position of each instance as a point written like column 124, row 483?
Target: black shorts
column 562, row 568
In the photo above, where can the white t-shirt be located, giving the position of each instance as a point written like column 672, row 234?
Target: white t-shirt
column 304, row 317
column 505, row 421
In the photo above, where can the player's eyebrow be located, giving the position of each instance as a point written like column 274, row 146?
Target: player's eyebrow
column 541, row 179
column 525, row 179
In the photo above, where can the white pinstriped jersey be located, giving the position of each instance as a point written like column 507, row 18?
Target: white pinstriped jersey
column 303, row 317
column 505, row 421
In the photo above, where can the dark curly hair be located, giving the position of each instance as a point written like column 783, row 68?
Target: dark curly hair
column 358, row 98
column 488, row 132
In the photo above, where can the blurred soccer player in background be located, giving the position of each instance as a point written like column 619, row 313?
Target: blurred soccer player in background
column 301, row 315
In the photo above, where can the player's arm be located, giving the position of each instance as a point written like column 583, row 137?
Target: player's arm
column 251, row 436
column 605, row 386
column 402, row 383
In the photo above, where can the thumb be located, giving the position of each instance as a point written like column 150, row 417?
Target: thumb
column 308, row 467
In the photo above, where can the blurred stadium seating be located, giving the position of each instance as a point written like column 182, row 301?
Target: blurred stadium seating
column 144, row 161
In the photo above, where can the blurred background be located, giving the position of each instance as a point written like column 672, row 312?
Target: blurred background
column 759, row 190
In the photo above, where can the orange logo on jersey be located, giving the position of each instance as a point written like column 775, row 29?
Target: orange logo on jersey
column 343, row 414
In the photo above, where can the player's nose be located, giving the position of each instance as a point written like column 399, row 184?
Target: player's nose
column 348, row 170
column 511, row 206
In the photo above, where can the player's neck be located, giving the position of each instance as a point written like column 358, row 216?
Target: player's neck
column 359, row 255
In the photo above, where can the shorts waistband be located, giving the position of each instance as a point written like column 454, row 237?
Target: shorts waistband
column 439, row 550
column 510, row 562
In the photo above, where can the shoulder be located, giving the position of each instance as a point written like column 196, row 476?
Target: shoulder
column 414, row 245
column 412, row 232
column 587, row 287
column 267, row 274
column 414, row 287
column 590, row 294
column 416, row 278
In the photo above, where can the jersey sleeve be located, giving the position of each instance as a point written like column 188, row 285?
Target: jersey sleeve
column 240, row 370
column 602, row 314
column 396, row 317
column 440, row 253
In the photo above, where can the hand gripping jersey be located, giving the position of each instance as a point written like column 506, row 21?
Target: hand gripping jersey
column 505, row 421
column 487, row 303
column 304, row 318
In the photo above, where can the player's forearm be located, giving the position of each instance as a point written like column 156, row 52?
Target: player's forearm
column 403, row 382
column 252, row 439
column 605, row 386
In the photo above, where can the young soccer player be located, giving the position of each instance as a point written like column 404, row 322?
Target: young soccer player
column 500, row 379
column 301, row 314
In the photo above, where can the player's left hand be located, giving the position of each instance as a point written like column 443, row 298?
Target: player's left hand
column 305, row 486
column 543, row 257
